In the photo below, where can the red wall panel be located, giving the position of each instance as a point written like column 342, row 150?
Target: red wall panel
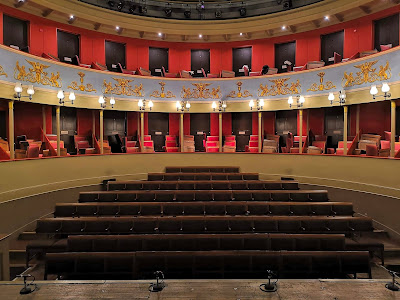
column 174, row 124
column 84, row 122
column 269, row 122
column 316, row 121
column 375, row 117
column 28, row 120
column 132, row 126
column 254, row 117
column 146, row 123
column 186, row 124
column 214, row 124
column 226, row 124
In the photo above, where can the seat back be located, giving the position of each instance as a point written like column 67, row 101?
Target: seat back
column 246, row 70
column 315, row 64
column 143, row 72
column 227, row 74
column 337, row 58
column 33, row 151
column 371, row 150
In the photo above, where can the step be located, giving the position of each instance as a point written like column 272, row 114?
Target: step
column 17, row 256
column 392, row 252
column 31, row 235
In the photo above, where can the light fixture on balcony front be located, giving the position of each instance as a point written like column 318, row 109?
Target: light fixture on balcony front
column 103, row 101
column 18, row 91
column 299, row 101
column 259, row 104
column 142, row 104
column 342, row 98
column 385, row 90
column 61, row 97
column 182, row 106
column 221, row 106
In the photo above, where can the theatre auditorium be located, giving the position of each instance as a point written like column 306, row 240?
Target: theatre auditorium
column 199, row 149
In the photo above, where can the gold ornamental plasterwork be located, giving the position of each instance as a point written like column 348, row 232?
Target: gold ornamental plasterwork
column 2, row 72
column 321, row 86
column 200, row 91
column 239, row 93
column 37, row 74
column 122, row 87
column 82, row 87
column 162, row 94
column 367, row 74
column 279, row 87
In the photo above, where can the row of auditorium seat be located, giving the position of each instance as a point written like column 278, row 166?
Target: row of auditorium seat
column 203, row 185
column 201, row 176
column 199, row 195
column 199, row 169
column 207, row 264
column 204, row 224
column 206, row 242
column 203, row 208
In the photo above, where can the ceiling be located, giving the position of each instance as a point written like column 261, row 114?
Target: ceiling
column 313, row 16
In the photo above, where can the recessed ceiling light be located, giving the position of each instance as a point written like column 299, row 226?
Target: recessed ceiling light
column 284, row 27
column 159, row 34
column 241, row 33
column 116, row 27
column 71, row 17
column 200, row 35
column 326, row 18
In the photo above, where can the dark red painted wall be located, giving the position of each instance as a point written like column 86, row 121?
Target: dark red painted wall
column 132, row 123
column 174, row 124
column 84, row 122
column 214, row 124
column 226, row 124
column 269, row 122
column 28, row 120
column 43, row 38
column 316, row 121
column 375, row 117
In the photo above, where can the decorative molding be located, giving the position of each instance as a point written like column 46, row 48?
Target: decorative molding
column 2, row 73
column 201, row 92
column 321, row 86
column 239, row 94
column 81, row 87
column 367, row 74
column 162, row 94
column 37, row 74
column 122, row 87
column 280, row 87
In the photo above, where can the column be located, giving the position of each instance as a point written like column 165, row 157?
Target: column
column 301, row 131
column 358, row 119
column 308, row 122
column 44, row 121
column 142, row 130
column 11, row 128
column 181, row 133
column 260, row 132
column 392, row 128
column 101, row 132
column 345, row 112
column 58, row 130
column 220, row 131
column 93, row 127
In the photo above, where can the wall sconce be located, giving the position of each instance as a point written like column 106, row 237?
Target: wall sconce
column 221, row 105
column 61, row 96
column 18, row 91
column 385, row 90
column 182, row 105
column 299, row 101
column 259, row 103
column 142, row 104
column 103, row 101
column 342, row 98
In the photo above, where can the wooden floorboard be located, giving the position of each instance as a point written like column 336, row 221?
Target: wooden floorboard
column 202, row 289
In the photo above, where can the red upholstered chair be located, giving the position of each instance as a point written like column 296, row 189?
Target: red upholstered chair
column 172, row 149
column 50, row 57
column 227, row 74
column 388, row 135
column 368, row 53
column 230, row 138
column 209, row 75
column 371, row 150
column 320, row 144
column 4, row 150
column 147, row 138
column 125, row 71
column 252, row 146
column 170, row 138
column 98, row 66
column 314, row 65
column 386, row 47
column 229, row 146
column 354, row 56
column 76, row 61
column 397, row 146
column 212, row 146
column 255, row 73
column 300, row 68
column 246, row 70
column 296, row 140
column 289, row 143
column 168, row 75
column 143, row 72
column 254, row 137
column 385, row 144
column 33, row 151
column 185, row 74
column 148, row 146
column 337, row 58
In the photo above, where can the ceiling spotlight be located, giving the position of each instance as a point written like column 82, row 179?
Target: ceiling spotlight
column 187, row 13
column 287, row 4
column 218, row 13
column 120, row 5
column 117, row 28
column 143, row 9
column 200, row 35
column 132, row 8
column 241, row 33
column 71, row 17
column 168, row 11
column 284, row 27
column 326, row 18
column 111, row 3
column 242, row 11
column 159, row 34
